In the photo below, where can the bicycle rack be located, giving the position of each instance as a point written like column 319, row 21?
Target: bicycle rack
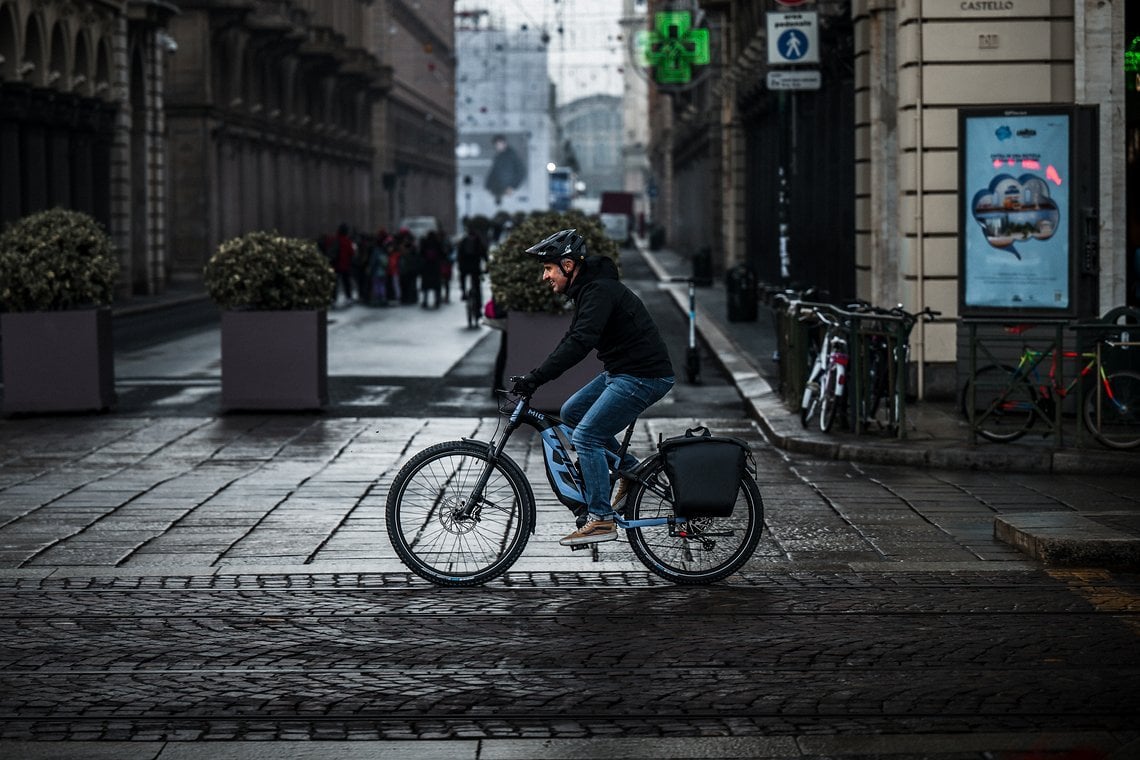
column 865, row 327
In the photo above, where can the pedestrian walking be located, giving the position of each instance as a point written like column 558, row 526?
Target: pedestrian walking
column 431, row 269
column 471, row 256
column 345, row 250
column 378, row 269
column 408, row 266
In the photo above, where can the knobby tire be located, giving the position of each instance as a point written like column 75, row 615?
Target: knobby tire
column 425, row 522
column 711, row 549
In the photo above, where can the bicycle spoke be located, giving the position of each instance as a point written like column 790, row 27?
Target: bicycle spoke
column 447, row 532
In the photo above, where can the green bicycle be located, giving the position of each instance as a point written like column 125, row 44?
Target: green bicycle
column 1008, row 400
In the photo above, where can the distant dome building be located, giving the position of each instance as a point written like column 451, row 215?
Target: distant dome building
column 591, row 132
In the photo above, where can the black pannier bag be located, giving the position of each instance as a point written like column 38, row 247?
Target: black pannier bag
column 705, row 472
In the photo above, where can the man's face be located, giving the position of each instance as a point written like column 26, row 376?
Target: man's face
column 553, row 275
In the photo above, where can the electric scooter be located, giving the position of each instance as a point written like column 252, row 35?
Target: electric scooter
column 692, row 353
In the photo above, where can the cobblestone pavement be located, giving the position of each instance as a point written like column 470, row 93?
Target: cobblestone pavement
column 169, row 580
column 767, row 654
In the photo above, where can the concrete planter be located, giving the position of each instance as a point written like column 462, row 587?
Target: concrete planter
column 57, row 361
column 274, row 359
column 530, row 339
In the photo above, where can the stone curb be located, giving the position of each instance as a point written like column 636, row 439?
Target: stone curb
column 1065, row 539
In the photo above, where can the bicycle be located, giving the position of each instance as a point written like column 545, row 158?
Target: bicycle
column 884, row 356
column 827, row 379
column 1112, row 404
column 459, row 513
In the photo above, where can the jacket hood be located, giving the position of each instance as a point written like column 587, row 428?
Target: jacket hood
column 597, row 268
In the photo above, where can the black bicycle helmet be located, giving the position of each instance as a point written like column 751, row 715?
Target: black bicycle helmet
column 565, row 244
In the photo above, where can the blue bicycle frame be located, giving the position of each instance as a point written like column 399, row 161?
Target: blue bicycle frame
column 561, row 464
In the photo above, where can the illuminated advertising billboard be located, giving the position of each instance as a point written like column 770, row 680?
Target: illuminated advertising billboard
column 1015, row 211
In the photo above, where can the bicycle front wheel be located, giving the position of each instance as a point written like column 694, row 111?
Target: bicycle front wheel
column 1005, row 404
column 1112, row 411
column 700, row 550
column 829, row 402
column 436, row 532
column 810, row 402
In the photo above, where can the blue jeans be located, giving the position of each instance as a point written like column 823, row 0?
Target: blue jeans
column 598, row 412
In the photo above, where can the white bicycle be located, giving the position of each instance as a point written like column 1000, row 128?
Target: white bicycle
column 827, row 380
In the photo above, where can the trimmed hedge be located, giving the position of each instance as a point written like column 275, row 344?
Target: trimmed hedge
column 56, row 260
column 265, row 271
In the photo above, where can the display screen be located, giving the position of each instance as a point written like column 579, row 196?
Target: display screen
column 1017, row 194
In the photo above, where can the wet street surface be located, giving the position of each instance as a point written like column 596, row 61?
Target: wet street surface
column 182, row 579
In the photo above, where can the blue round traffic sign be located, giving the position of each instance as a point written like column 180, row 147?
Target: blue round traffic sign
column 792, row 44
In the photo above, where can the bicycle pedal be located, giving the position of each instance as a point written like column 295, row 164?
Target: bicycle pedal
column 579, row 547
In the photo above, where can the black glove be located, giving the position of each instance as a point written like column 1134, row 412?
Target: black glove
column 525, row 385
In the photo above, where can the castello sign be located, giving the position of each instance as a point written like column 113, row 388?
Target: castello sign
column 987, row 5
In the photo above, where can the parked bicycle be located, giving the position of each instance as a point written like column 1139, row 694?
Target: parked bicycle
column 460, row 513
column 827, row 379
column 1006, row 401
column 887, row 344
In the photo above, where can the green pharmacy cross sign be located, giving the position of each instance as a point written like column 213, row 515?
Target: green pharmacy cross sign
column 674, row 47
column 1132, row 56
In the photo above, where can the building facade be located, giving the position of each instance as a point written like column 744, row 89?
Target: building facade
column 853, row 185
column 413, row 127
column 181, row 124
column 269, row 110
column 637, row 174
column 82, row 123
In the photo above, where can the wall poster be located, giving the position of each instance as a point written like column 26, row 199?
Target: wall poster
column 1015, row 211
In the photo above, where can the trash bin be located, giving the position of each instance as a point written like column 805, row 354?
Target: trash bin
column 740, row 285
column 702, row 266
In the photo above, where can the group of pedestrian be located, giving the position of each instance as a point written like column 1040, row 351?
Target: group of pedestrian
column 390, row 269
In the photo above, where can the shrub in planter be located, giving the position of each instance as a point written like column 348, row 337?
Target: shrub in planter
column 265, row 271
column 57, row 274
column 56, row 260
column 516, row 276
column 274, row 291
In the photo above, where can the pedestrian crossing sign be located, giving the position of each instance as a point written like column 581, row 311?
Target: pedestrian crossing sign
column 793, row 38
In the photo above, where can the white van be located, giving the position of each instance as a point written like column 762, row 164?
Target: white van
column 420, row 225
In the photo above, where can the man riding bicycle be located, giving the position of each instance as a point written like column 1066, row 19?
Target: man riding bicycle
column 608, row 317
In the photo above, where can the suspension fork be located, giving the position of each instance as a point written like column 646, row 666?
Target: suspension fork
column 494, row 452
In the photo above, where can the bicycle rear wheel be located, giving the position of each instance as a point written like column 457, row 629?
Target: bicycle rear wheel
column 1005, row 404
column 881, row 407
column 437, row 537
column 701, row 550
column 1117, row 425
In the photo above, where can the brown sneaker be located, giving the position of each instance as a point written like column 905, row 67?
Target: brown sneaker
column 596, row 529
column 622, row 490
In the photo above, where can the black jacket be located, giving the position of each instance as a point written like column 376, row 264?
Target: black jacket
column 610, row 318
